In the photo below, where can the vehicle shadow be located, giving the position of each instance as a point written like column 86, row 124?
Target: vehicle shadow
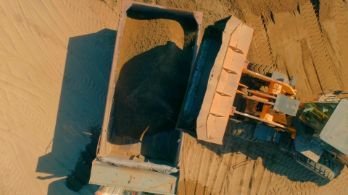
column 273, row 159
column 81, row 105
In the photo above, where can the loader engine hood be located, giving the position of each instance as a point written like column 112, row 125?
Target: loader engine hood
column 335, row 131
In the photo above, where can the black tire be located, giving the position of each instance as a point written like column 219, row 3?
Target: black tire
column 73, row 183
column 327, row 167
column 81, row 174
column 284, row 155
column 263, row 69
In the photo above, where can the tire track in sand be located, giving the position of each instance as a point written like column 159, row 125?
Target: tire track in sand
column 223, row 169
column 203, row 172
column 309, row 70
column 214, row 165
column 257, row 177
column 323, row 63
column 340, row 16
column 194, row 170
column 239, row 167
column 260, row 51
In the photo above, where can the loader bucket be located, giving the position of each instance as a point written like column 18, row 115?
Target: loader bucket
column 220, row 75
column 139, row 144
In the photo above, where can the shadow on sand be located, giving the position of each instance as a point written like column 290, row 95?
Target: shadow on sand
column 273, row 159
column 81, row 106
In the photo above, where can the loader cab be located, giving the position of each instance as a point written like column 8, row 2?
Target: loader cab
column 335, row 131
column 315, row 115
column 326, row 124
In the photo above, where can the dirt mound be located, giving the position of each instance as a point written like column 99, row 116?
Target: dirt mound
column 154, row 66
column 142, row 35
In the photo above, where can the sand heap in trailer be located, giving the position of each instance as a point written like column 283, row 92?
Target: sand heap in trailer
column 154, row 65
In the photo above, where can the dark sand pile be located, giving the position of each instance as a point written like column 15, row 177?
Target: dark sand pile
column 154, row 66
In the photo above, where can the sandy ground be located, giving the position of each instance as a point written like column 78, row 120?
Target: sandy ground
column 49, row 99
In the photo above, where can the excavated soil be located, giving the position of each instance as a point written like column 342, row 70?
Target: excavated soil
column 153, row 69
column 143, row 35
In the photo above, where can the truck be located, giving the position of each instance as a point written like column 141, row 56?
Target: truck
column 138, row 149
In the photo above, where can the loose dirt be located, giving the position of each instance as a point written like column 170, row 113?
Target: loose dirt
column 154, row 65
column 143, row 35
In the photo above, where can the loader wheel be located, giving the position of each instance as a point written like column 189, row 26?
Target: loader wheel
column 327, row 168
column 74, row 183
column 81, row 174
column 263, row 69
column 283, row 156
